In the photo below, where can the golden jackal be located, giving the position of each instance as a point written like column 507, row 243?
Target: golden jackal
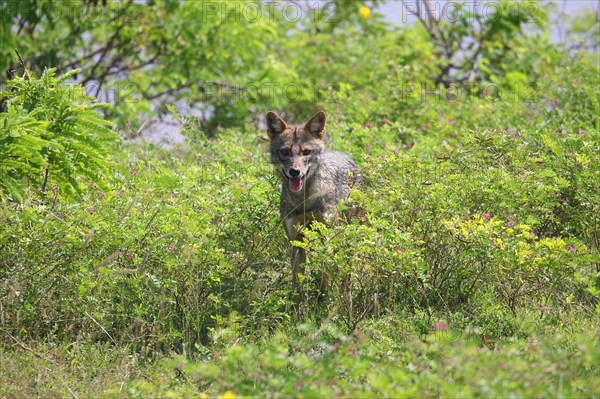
column 313, row 179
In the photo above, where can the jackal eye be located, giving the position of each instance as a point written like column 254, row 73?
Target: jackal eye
column 285, row 152
column 306, row 152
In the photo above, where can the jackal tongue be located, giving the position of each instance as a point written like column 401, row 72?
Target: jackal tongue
column 295, row 183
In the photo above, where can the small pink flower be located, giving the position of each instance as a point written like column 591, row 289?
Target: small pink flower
column 395, row 152
column 570, row 248
column 171, row 247
column 367, row 124
column 441, row 326
column 581, row 132
column 487, row 216
column 407, row 145
column 102, row 194
column 59, row 216
column 92, row 211
column 539, row 164
column 425, row 126
column 512, row 223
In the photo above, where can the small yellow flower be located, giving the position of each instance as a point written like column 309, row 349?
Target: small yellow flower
column 227, row 395
column 364, row 12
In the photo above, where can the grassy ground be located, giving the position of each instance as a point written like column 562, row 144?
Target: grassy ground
column 441, row 364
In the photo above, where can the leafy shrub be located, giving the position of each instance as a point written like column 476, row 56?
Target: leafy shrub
column 51, row 136
column 500, row 222
column 483, row 229
column 324, row 363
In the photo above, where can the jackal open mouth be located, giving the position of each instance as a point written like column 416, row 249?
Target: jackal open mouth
column 296, row 183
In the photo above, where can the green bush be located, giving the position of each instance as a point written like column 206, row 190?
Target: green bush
column 324, row 363
column 483, row 229
column 52, row 138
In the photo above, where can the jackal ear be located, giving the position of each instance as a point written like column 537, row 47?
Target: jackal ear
column 316, row 125
column 275, row 125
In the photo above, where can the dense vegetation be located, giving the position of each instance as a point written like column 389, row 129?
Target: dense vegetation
column 130, row 269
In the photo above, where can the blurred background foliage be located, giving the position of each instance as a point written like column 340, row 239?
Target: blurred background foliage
column 226, row 62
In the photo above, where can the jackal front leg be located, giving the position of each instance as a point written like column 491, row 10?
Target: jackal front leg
column 293, row 227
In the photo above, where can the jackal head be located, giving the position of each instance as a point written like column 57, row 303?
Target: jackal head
column 295, row 149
